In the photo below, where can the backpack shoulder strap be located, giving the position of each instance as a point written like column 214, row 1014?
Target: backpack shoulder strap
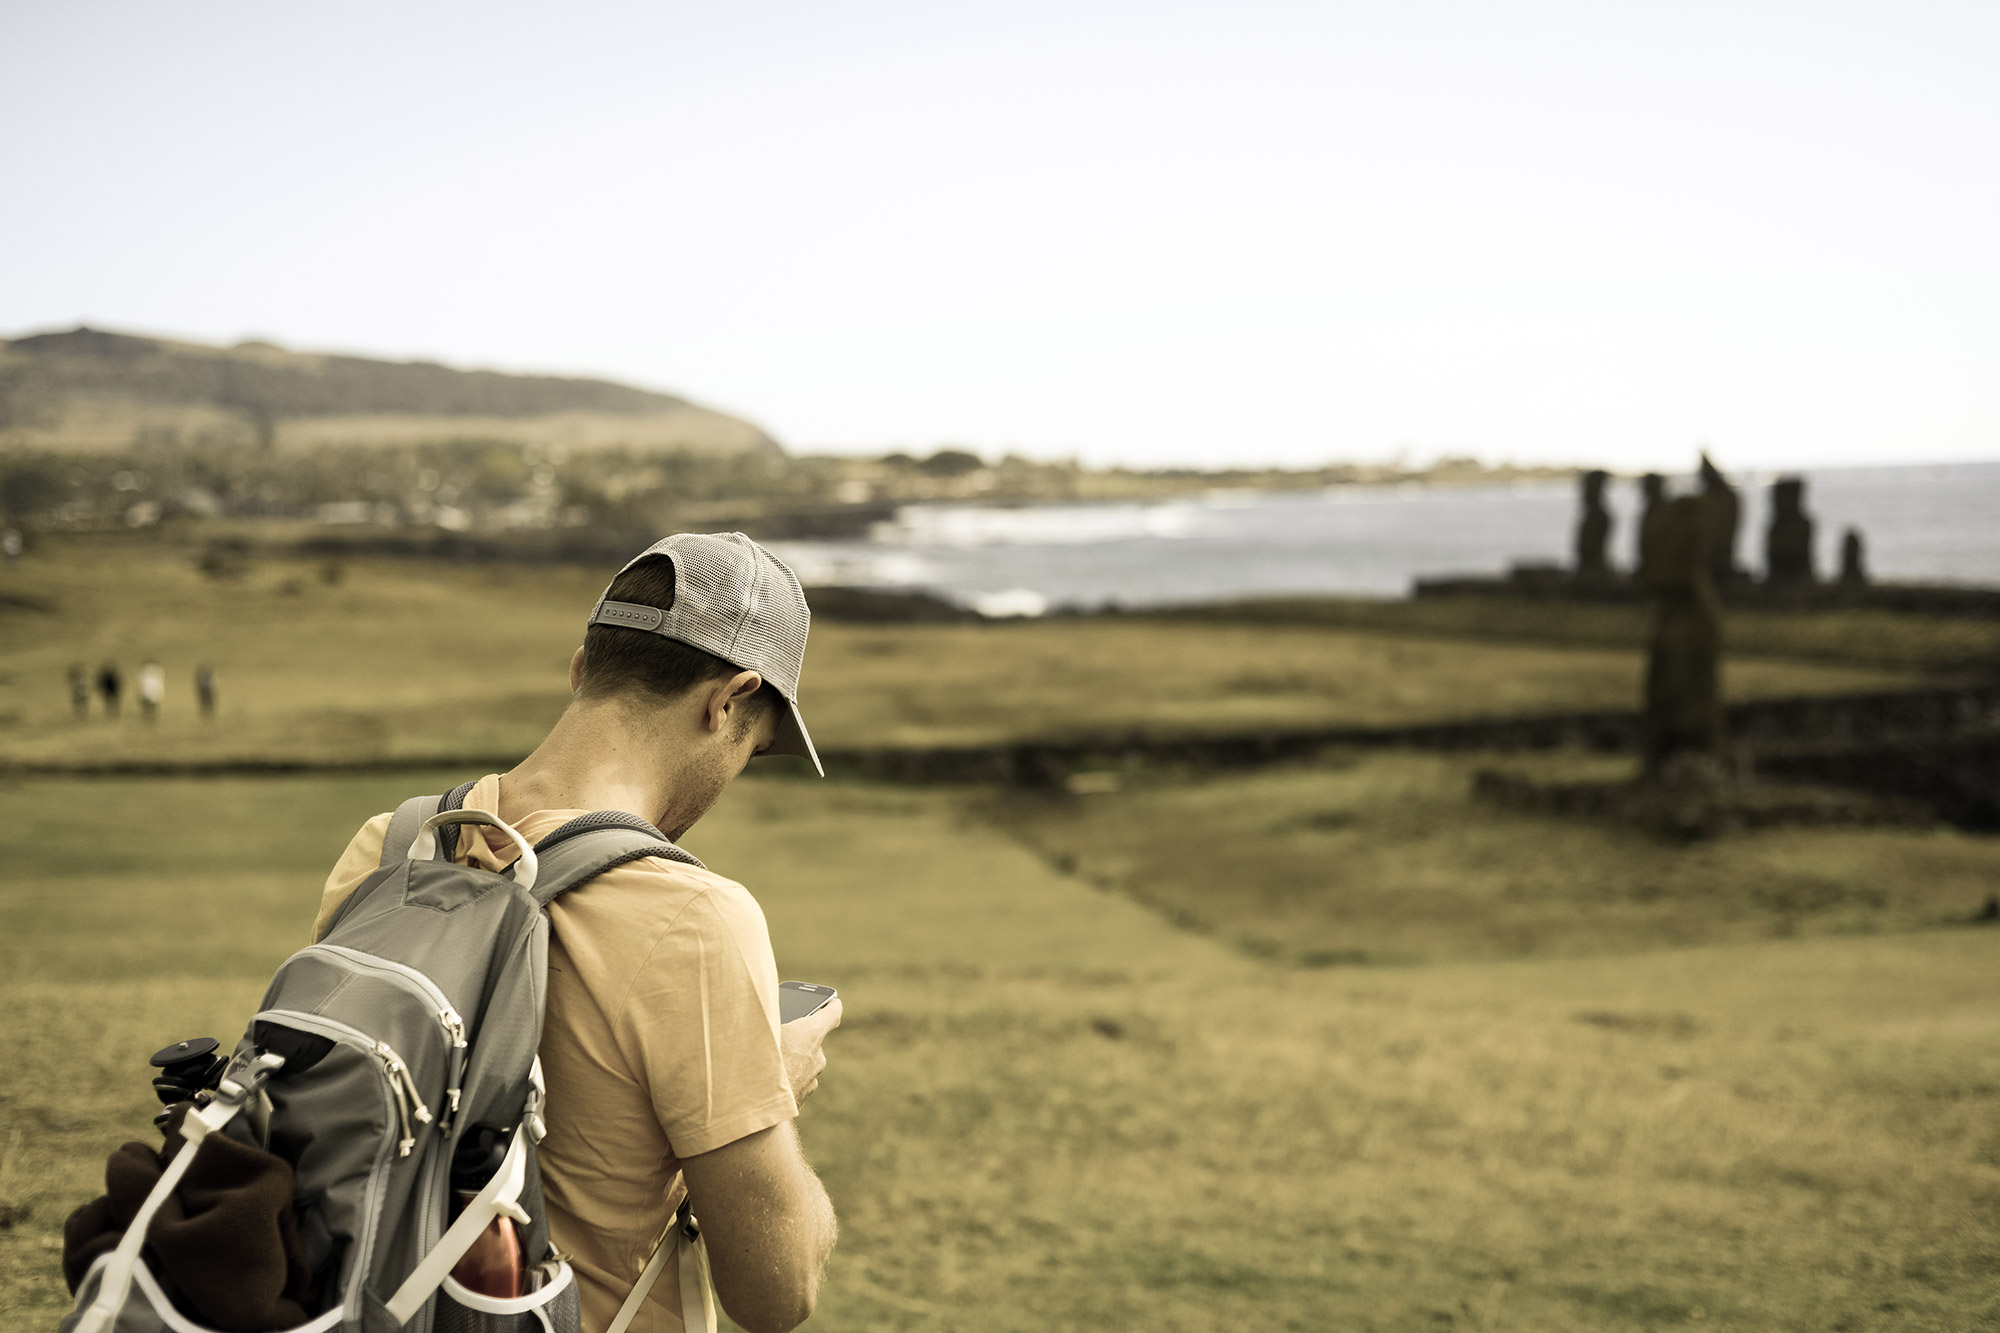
column 403, row 825
column 411, row 814
column 589, row 845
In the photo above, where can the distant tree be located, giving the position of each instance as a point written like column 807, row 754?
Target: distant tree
column 29, row 488
column 951, row 463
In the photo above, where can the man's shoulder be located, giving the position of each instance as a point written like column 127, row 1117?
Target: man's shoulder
column 368, row 839
column 648, row 930
column 362, row 857
column 645, row 900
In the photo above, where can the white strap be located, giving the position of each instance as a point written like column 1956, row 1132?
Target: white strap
column 196, row 1125
column 697, row 1286
column 655, row 1265
column 117, row 1279
column 697, row 1283
column 496, row 1200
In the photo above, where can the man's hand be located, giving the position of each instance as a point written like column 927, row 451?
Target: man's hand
column 800, row 1040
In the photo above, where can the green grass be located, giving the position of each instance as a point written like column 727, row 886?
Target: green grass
column 1386, row 857
column 412, row 661
column 1331, row 1046
column 1050, row 1107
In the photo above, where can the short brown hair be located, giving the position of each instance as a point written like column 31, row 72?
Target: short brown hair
column 618, row 661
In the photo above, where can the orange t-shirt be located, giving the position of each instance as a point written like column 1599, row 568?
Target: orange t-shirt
column 660, row 1042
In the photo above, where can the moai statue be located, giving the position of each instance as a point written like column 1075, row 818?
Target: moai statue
column 1652, row 490
column 1683, row 658
column 1853, row 568
column 1594, row 530
column 1724, row 513
column 1788, row 541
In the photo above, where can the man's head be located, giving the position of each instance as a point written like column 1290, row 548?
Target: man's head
column 700, row 641
column 646, row 666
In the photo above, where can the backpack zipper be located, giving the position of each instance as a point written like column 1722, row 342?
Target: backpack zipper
column 447, row 1018
column 408, row 1101
column 364, row 1244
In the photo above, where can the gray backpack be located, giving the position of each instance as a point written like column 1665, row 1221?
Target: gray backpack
column 405, row 1037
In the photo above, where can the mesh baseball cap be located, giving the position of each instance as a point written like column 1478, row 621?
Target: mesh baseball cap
column 736, row 600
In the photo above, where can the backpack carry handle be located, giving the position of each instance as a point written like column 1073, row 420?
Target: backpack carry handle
column 425, row 847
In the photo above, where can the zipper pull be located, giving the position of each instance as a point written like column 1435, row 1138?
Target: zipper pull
column 407, row 1141
column 454, row 1028
column 406, row 1092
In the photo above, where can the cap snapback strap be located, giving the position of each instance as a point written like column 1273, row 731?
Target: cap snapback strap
column 628, row 615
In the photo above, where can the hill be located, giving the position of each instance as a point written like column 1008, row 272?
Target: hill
column 88, row 390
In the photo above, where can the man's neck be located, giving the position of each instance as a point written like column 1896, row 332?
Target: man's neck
column 594, row 758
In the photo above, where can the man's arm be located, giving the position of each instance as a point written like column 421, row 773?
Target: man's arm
column 767, row 1219
column 769, row 1226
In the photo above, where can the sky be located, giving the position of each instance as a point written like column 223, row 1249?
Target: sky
column 1164, row 234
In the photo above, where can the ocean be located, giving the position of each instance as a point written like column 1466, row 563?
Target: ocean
column 1921, row 524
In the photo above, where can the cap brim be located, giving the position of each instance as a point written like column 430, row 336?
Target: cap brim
column 792, row 738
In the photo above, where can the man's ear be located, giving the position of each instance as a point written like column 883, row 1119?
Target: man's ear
column 729, row 694
column 576, row 669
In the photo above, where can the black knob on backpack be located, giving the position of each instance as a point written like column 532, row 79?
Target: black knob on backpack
column 194, row 1048
column 186, row 1068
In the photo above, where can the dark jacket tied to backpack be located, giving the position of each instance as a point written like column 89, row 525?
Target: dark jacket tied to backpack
column 226, row 1243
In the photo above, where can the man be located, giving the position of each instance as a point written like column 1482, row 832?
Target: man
column 152, row 689
column 668, row 1071
column 109, row 684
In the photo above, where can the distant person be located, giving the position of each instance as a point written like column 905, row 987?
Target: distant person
column 204, row 689
column 10, row 545
column 152, row 689
column 109, row 685
column 79, row 690
column 669, row 1075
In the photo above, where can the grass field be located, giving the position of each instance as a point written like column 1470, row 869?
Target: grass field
column 1053, row 1108
column 1387, row 858
column 1328, row 1046
column 359, row 669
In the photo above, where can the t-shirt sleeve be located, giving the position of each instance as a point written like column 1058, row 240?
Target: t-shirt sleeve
column 359, row 861
column 700, row 1025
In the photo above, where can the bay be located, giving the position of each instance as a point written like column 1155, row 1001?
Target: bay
column 1921, row 524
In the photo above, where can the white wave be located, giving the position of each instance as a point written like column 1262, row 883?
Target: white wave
column 961, row 526
column 1011, row 603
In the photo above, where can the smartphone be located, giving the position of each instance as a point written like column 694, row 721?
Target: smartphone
column 796, row 999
